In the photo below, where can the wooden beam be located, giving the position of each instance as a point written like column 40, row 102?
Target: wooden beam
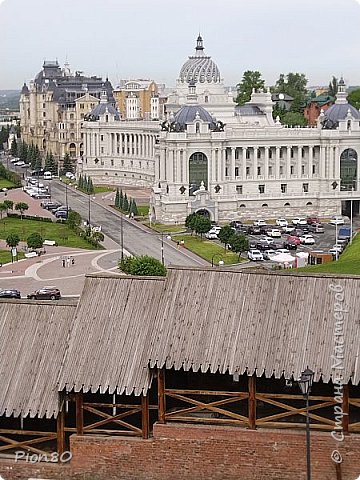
column 252, row 402
column 60, row 429
column 338, row 471
column 345, row 407
column 79, row 414
column 145, row 426
column 161, row 395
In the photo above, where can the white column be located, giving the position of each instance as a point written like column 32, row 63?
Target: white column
column 126, row 144
column 299, row 161
column 157, row 168
column 288, row 163
column 337, row 162
column 322, row 162
column 255, row 162
column 218, row 163
column 266, row 163
column 310, row 161
column 232, row 164
column 213, row 167
column 244, row 149
column 277, row 162
column 223, row 164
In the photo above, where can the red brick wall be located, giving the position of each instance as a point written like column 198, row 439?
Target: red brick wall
column 185, row 452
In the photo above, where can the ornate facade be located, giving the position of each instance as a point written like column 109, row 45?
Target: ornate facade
column 138, row 100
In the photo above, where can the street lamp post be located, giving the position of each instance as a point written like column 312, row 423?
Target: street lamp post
column 305, row 383
column 89, row 215
column 121, row 236
column 66, row 197
column 162, row 248
column 221, row 261
column 351, row 214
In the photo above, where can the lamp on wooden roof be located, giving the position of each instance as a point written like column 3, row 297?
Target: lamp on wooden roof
column 305, row 381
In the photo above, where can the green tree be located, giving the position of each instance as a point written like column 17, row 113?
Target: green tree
column 9, row 205
column 294, row 119
column 4, row 136
column 190, row 221
column 68, row 165
column 354, row 98
column 294, row 84
column 225, row 234
column 117, row 198
column 202, row 224
column 142, row 265
column 239, row 243
column 22, row 207
column 23, row 151
column 90, row 188
column 12, row 240
column 121, row 199
column 13, row 148
column 333, row 87
column 34, row 240
column 73, row 219
column 251, row 80
column 125, row 205
column 50, row 164
column 134, row 208
column 2, row 209
column 98, row 236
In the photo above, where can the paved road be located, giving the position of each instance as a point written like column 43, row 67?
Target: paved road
column 138, row 239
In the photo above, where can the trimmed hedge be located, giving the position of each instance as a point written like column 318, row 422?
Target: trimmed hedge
column 30, row 217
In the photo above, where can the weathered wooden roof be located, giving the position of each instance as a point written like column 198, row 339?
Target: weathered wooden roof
column 107, row 346
column 259, row 323
column 32, row 345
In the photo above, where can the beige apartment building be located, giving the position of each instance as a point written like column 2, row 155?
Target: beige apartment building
column 138, row 100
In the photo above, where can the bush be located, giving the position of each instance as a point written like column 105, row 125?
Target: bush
column 35, row 240
column 142, row 265
column 30, row 217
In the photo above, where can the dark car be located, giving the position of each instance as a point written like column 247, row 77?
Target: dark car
column 316, row 228
column 10, row 293
column 254, row 230
column 61, row 214
column 236, row 224
column 290, row 245
column 311, row 220
column 45, row 293
column 49, row 205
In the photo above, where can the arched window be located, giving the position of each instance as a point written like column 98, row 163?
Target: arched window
column 198, row 171
column 264, row 205
column 286, row 204
column 243, row 205
column 197, row 127
column 348, row 169
column 308, row 204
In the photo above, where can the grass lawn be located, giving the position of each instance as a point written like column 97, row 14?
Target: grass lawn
column 159, row 227
column 6, row 183
column 103, row 189
column 348, row 263
column 5, row 256
column 59, row 232
column 207, row 249
column 143, row 210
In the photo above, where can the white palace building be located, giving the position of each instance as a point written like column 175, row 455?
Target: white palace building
column 226, row 161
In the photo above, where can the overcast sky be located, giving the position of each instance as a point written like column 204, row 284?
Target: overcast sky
column 152, row 39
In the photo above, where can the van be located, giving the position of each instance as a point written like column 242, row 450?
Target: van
column 47, row 175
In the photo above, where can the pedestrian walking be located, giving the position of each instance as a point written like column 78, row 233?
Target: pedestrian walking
column 72, row 261
column 63, row 262
column 68, row 262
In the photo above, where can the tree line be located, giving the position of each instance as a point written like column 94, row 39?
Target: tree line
column 125, row 204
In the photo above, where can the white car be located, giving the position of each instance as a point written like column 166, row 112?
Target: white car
column 268, row 254
column 255, row 255
column 307, row 239
column 281, row 222
column 336, row 249
column 282, row 250
column 266, row 240
column 299, row 221
column 274, row 233
column 259, row 223
column 337, row 220
column 211, row 235
column 19, row 164
column 288, row 229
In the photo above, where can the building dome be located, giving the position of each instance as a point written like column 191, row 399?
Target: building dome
column 199, row 67
column 190, row 113
column 339, row 112
column 103, row 108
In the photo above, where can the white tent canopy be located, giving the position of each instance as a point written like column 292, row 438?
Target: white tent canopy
column 283, row 258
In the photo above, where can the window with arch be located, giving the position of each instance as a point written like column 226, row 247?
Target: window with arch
column 308, row 204
column 264, row 205
column 198, row 171
column 286, row 204
column 348, row 169
column 243, row 205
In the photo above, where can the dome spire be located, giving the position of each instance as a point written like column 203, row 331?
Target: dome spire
column 341, row 96
column 199, row 45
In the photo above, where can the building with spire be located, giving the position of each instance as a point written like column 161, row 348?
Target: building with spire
column 52, row 108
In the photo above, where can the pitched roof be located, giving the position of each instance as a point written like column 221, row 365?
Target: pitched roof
column 32, row 345
column 107, row 347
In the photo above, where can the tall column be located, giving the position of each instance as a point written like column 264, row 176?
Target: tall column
column 157, row 168
column 213, row 167
column 126, row 144
column 288, row 162
column 218, row 163
column 299, row 161
column 322, row 162
column 162, row 164
column 310, row 161
column 232, row 164
column 244, row 149
column 337, row 162
column 277, row 162
column 223, row 164
column 266, row 163
column 255, row 162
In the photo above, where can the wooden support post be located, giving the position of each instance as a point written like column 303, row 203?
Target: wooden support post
column 338, row 471
column 145, row 415
column 252, row 402
column 79, row 414
column 345, row 407
column 60, row 427
column 161, row 395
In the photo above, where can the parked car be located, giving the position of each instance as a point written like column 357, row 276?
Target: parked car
column 337, row 220
column 236, row 224
column 307, row 239
column 39, row 195
column 281, row 222
column 311, row 220
column 299, row 221
column 344, row 232
column 255, row 255
column 19, row 164
column 274, row 233
column 10, row 293
column 259, row 223
column 61, row 214
column 266, row 240
column 288, row 229
column 49, row 205
column 268, row 254
column 294, row 239
column 45, row 293
column 316, row 228
column 254, row 230
column 336, row 250
column 290, row 245
column 283, row 250
column 210, row 235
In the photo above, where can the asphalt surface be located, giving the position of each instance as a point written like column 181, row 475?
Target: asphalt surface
column 138, row 239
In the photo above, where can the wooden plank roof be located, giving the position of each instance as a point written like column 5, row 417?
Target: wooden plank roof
column 106, row 350
column 260, row 323
column 32, row 345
